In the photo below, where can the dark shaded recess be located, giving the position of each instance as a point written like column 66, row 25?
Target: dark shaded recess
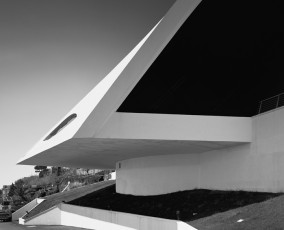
column 191, row 204
column 225, row 59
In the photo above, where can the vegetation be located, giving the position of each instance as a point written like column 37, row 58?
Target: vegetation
column 186, row 205
column 267, row 215
column 42, row 170
column 48, row 182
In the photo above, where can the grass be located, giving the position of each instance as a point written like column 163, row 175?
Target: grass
column 264, row 215
column 186, row 205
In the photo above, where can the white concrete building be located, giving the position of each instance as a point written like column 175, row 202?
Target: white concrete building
column 180, row 111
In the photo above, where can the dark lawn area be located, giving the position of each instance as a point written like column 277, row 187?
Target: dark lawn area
column 267, row 215
column 186, row 205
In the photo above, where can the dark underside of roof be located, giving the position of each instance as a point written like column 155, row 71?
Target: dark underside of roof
column 225, row 59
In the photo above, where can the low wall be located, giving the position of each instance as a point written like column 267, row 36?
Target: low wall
column 255, row 166
column 90, row 218
column 50, row 216
column 27, row 208
column 98, row 219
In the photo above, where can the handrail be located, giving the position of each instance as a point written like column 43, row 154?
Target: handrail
column 271, row 103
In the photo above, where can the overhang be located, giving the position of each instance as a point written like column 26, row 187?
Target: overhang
column 128, row 135
column 86, row 120
column 93, row 135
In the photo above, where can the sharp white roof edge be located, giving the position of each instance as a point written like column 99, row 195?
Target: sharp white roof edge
column 86, row 105
column 94, row 110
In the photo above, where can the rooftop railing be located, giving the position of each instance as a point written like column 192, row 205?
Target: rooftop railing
column 271, row 103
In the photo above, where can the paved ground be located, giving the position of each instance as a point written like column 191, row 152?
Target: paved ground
column 16, row 226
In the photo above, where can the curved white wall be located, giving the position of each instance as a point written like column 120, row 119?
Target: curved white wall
column 256, row 166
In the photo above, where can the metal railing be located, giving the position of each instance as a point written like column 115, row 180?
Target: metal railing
column 271, row 103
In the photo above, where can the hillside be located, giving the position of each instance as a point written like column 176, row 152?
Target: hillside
column 49, row 182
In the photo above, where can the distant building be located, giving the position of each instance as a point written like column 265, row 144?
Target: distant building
column 6, row 205
column 81, row 171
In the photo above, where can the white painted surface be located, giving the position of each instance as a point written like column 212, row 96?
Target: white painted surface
column 86, row 106
column 177, row 127
column 51, row 216
column 27, row 208
column 103, row 153
column 155, row 166
column 133, row 135
column 98, row 106
column 136, row 68
column 158, row 174
column 90, row 218
column 21, row 221
column 113, row 176
column 256, row 166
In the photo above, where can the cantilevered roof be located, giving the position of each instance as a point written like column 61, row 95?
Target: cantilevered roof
column 128, row 135
column 92, row 134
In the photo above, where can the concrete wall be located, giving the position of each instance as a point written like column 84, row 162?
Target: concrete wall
column 90, row 218
column 255, row 166
column 177, row 127
column 98, row 219
column 51, row 216
column 27, row 208
column 113, row 176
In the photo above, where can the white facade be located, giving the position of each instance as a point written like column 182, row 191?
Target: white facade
column 255, row 166
column 93, row 112
column 155, row 153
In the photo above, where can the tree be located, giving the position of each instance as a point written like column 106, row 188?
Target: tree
column 42, row 170
column 58, row 180
column 57, row 170
column 39, row 168
column 19, row 189
column 53, row 170
column 12, row 190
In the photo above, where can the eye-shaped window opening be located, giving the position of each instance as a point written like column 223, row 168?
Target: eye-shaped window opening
column 62, row 125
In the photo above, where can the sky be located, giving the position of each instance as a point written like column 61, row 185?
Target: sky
column 52, row 53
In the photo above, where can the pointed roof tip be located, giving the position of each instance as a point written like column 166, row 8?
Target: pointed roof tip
column 95, row 109
column 82, row 112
